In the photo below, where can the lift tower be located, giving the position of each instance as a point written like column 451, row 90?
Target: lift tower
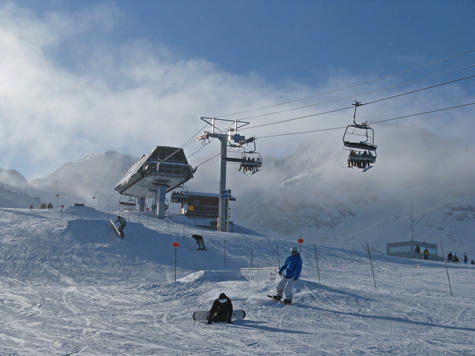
column 229, row 137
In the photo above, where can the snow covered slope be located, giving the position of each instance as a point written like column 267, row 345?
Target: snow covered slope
column 70, row 286
column 309, row 194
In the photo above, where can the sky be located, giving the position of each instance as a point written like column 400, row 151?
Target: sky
column 91, row 76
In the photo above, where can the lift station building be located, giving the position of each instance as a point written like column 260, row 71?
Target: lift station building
column 154, row 174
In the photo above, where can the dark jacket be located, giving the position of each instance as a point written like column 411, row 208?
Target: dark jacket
column 221, row 311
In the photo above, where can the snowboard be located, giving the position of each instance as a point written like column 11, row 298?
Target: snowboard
column 278, row 300
column 202, row 315
column 117, row 232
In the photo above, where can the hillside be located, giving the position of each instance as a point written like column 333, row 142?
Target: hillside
column 70, row 286
column 310, row 194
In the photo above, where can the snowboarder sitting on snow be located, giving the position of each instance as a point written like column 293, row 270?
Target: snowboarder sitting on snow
column 122, row 222
column 199, row 241
column 292, row 267
column 450, row 257
column 222, row 310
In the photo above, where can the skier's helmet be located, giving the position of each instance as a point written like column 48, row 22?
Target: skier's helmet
column 294, row 250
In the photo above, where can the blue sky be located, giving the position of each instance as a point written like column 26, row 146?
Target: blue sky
column 295, row 40
column 84, row 77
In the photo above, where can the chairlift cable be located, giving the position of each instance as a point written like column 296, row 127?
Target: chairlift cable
column 184, row 145
column 209, row 159
column 352, row 86
column 419, row 90
column 368, row 103
column 421, row 113
column 372, row 123
column 357, row 94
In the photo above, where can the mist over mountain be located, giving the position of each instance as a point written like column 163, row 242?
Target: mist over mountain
column 310, row 193
column 92, row 176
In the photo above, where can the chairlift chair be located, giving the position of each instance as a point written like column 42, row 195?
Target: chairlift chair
column 128, row 202
column 179, row 195
column 251, row 162
column 359, row 140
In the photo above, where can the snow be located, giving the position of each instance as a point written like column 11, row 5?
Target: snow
column 69, row 286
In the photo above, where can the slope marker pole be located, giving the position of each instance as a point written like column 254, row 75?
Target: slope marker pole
column 371, row 261
column 446, row 269
column 316, row 259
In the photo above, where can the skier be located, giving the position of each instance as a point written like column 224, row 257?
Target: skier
column 426, row 254
column 292, row 267
column 199, row 241
column 417, row 251
column 122, row 222
column 222, row 310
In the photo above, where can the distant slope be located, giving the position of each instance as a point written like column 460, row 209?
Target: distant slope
column 14, row 189
column 94, row 175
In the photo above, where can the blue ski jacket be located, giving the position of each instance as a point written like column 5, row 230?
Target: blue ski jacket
column 292, row 267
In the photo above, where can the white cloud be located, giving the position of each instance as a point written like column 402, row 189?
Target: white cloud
column 70, row 86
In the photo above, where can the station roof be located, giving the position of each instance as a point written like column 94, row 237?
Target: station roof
column 162, row 166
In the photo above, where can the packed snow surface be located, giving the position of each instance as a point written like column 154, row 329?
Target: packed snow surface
column 69, row 286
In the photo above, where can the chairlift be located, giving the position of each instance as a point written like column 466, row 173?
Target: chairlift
column 251, row 162
column 359, row 140
column 128, row 202
column 179, row 195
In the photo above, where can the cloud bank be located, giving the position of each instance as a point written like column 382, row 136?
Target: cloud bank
column 74, row 84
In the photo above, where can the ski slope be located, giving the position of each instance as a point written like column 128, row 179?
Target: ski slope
column 69, row 286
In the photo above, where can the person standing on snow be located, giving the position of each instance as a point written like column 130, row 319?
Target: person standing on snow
column 199, row 241
column 122, row 223
column 426, row 254
column 417, row 252
column 291, row 272
column 222, row 310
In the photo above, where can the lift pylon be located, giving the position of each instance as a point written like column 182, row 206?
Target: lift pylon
column 231, row 138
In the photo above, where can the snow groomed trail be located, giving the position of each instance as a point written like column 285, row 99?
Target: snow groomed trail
column 69, row 286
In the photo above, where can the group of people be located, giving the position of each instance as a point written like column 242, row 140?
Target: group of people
column 453, row 258
column 222, row 308
column 425, row 253
column 360, row 160
column 250, row 165
column 43, row 206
